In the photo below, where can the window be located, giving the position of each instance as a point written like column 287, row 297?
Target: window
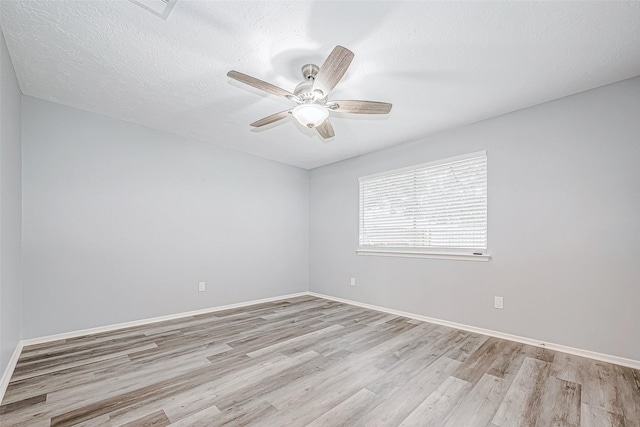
column 437, row 209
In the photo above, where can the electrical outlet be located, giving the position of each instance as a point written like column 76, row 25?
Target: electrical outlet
column 498, row 302
column 202, row 286
column 353, row 281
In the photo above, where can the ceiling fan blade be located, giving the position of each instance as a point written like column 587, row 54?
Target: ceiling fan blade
column 259, row 84
column 332, row 70
column 361, row 107
column 272, row 118
column 325, row 129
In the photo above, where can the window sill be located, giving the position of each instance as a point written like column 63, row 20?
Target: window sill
column 432, row 255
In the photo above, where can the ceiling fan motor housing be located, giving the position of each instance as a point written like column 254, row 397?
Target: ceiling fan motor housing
column 304, row 90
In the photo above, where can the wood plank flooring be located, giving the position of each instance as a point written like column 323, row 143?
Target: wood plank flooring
column 311, row 362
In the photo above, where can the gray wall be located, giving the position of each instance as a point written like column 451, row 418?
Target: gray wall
column 564, row 229
column 121, row 222
column 10, row 208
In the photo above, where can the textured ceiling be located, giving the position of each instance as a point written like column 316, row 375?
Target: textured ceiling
column 441, row 64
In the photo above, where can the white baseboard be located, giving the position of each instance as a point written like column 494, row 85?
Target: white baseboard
column 6, row 376
column 551, row 346
column 109, row 328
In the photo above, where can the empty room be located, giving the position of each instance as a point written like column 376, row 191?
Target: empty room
column 319, row 213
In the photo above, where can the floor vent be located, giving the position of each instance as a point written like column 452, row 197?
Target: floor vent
column 161, row 8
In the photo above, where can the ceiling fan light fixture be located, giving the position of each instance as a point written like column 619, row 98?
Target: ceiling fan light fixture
column 310, row 115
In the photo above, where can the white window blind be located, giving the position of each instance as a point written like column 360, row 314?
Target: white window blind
column 431, row 207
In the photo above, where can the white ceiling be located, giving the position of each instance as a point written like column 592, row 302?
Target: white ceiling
column 441, row 64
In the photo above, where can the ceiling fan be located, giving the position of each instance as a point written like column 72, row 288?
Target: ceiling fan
column 313, row 107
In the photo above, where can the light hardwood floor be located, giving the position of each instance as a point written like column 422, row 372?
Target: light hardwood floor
column 310, row 361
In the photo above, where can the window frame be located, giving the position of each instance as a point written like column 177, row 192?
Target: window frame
column 473, row 254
